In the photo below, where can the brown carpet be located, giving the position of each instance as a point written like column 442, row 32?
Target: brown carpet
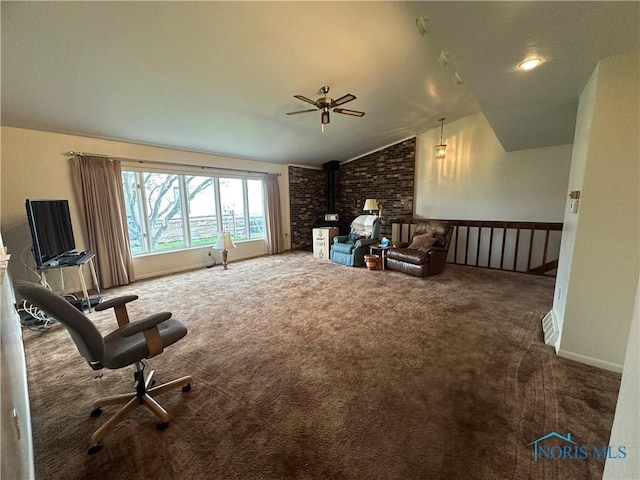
column 306, row 369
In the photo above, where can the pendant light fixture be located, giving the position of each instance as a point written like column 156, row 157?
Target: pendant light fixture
column 442, row 148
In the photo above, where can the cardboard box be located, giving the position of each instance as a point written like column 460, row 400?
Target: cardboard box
column 322, row 240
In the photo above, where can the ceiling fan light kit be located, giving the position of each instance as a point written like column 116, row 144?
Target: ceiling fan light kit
column 326, row 104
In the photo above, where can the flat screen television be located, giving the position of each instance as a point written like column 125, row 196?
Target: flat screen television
column 51, row 231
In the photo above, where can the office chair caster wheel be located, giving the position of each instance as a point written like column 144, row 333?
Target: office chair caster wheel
column 186, row 388
column 96, row 413
column 162, row 425
column 94, row 449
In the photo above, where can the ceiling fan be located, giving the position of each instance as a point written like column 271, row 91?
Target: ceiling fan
column 326, row 104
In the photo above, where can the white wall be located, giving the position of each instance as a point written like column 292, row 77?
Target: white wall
column 586, row 105
column 595, row 293
column 626, row 423
column 34, row 166
column 15, row 431
column 478, row 180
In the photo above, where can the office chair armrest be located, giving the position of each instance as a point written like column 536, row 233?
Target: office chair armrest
column 115, row 302
column 119, row 305
column 145, row 324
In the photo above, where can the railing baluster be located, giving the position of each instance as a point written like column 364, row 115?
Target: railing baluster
column 544, row 253
column 478, row 244
column 466, row 249
column 515, row 257
column 531, row 237
column 455, row 251
column 504, row 243
column 490, row 247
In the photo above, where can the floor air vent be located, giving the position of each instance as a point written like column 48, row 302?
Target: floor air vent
column 550, row 329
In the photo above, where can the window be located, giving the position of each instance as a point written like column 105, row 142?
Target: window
column 256, row 209
column 203, row 216
column 164, row 211
column 133, row 205
column 167, row 211
column 232, row 202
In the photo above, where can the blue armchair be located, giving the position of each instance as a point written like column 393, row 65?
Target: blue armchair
column 350, row 249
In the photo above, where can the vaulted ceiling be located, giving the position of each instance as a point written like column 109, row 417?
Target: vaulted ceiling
column 218, row 77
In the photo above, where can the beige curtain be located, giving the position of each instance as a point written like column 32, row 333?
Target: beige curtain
column 99, row 184
column 272, row 214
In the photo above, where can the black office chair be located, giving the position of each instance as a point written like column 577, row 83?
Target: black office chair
column 127, row 345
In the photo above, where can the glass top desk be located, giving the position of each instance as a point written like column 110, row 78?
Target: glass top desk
column 76, row 261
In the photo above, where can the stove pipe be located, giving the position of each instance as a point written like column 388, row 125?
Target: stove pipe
column 330, row 168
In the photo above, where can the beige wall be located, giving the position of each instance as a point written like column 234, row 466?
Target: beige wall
column 34, row 166
column 595, row 293
column 626, row 423
column 478, row 180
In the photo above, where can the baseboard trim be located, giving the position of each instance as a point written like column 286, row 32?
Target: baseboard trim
column 169, row 271
column 594, row 362
column 186, row 268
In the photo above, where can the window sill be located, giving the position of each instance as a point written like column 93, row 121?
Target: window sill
column 191, row 249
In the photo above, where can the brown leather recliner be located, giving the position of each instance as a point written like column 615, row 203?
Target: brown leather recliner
column 426, row 260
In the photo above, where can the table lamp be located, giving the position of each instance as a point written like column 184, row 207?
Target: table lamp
column 224, row 243
column 370, row 204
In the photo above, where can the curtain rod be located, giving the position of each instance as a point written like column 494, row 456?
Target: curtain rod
column 154, row 162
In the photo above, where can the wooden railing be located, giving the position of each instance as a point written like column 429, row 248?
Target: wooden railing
column 528, row 247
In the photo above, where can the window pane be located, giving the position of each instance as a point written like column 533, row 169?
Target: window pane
column 132, row 204
column 256, row 209
column 203, row 221
column 232, row 203
column 164, row 210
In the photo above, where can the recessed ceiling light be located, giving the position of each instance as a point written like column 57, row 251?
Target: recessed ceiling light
column 530, row 64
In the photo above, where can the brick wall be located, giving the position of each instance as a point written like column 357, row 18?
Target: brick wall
column 386, row 175
column 308, row 203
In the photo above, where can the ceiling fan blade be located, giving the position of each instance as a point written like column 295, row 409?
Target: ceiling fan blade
column 302, row 111
column 344, row 99
column 308, row 100
column 344, row 111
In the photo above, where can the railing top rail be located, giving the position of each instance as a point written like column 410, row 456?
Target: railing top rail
column 488, row 223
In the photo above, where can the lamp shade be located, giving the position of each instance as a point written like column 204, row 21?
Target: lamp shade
column 370, row 204
column 224, row 241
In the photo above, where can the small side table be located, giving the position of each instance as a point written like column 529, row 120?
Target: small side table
column 382, row 250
